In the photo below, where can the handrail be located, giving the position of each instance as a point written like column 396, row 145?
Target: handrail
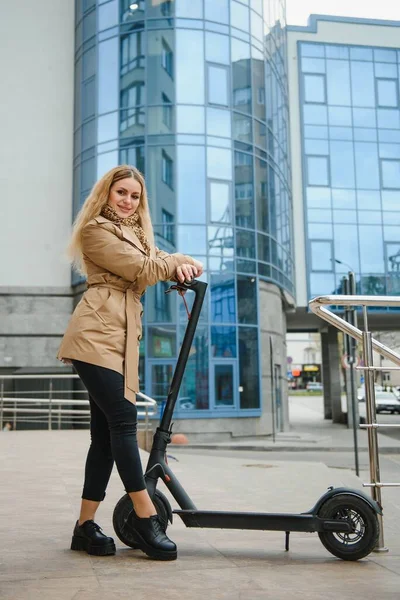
column 317, row 305
column 12, row 404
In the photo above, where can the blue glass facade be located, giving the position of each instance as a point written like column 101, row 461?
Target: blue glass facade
column 194, row 94
column 351, row 165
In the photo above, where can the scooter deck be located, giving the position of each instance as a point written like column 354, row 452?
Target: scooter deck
column 260, row 521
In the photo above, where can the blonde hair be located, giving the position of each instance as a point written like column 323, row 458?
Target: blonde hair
column 94, row 203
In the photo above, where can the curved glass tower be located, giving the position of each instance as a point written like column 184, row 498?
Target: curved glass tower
column 194, row 94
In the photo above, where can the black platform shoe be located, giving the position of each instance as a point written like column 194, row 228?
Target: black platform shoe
column 89, row 537
column 151, row 538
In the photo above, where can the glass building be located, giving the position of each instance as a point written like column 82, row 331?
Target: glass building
column 350, row 113
column 194, row 94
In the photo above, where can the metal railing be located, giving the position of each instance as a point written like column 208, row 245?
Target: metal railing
column 317, row 305
column 56, row 408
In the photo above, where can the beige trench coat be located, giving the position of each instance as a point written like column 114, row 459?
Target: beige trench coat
column 106, row 326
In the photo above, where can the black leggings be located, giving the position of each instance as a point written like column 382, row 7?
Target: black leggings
column 113, row 425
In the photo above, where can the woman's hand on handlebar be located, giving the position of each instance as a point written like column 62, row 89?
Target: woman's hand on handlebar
column 187, row 272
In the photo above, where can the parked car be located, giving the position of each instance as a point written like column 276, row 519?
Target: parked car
column 314, row 386
column 386, row 402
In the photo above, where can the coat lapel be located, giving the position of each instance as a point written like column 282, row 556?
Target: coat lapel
column 127, row 233
column 131, row 237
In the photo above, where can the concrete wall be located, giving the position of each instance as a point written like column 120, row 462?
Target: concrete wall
column 327, row 31
column 36, row 124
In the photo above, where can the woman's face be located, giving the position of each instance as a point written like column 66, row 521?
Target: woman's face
column 124, row 196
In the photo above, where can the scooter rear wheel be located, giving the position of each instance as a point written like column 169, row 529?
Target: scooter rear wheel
column 365, row 527
column 124, row 508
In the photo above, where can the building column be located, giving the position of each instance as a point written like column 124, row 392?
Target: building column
column 331, row 374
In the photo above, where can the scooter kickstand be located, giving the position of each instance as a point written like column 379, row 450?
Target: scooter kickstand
column 287, row 533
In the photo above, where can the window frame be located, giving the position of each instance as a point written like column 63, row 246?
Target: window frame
column 167, row 58
column 225, row 68
column 321, row 241
column 396, row 87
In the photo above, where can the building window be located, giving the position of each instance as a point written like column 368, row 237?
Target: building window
column 241, row 96
column 167, row 169
column 166, row 8
column 317, row 170
column 167, row 58
column 132, row 55
column 168, row 226
column 167, row 111
column 218, row 85
column 321, row 255
column 390, row 174
column 132, row 111
column 386, row 93
column 133, row 156
column 314, row 88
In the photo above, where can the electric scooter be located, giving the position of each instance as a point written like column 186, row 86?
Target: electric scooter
column 345, row 519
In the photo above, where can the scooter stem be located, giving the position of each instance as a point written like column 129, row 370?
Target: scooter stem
column 199, row 288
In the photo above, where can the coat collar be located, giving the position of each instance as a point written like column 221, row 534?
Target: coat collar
column 127, row 233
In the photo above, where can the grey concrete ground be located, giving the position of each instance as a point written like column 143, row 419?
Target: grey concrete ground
column 41, row 476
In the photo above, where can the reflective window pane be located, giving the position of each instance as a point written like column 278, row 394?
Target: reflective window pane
column 312, row 49
column 340, row 133
column 316, row 132
column 107, row 81
column 313, row 65
column 221, row 244
column 364, row 117
column 314, row 88
column 362, row 84
column 387, row 93
column 245, row 244
column 239, row 16
column 244, row 190
column 315, row 114
column 318, row 215
column 339, row 116
column 362, row 134
column 223, row 305
column 389, row 150
column 190, row 119
column 108, row 15
column 219, row 163
column 192, row 240
column 360, row 53
column 161, row 342
column 322, row 284
column 224, row 387
column 367, row 166
column 345, row 216
column 343, row 198
column 218, row 122
column 321, row 256
column 371, row 249
column 160, row 307
column 346, row 245
column 342, row 164
column 223, row 342
column 216, row 11
column 257, row 28
column 388, row 118
column 249, row 368
column 370, row 217
column 241, row 75
column 381, row 55
column 367, row 199
column 316, row 147
column 191, row 175
column 390, row 200
column 189, row 60
column 242, row 128
column 192, row 9
column 217, row 48
column 220, row 202
column 218, row 85
column 247, row 299
column 385, row 70
column 318, row 197
column 317, row 170
column 338, row 82
column 390, row 173
column 337, row 51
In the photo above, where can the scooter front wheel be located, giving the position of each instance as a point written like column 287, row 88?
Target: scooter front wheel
column 363, row 537
column 124, row 508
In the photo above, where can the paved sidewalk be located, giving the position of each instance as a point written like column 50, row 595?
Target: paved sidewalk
column 41, row 475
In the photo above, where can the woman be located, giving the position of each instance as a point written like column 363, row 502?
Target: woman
column 113, row 245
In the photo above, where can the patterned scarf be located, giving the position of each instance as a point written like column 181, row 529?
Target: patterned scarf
column 109, row 213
